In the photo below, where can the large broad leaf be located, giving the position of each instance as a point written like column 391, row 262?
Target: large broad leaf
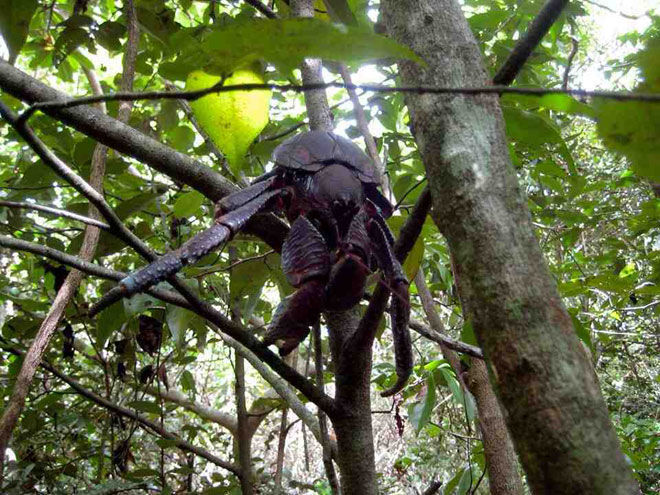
column 534, row 129
column 15, row 22
column 633, row 128
column 419, row 413
column 285, row 43
column 233, row 120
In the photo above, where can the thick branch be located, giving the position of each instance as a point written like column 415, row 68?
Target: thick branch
column 131, row 142
column 523, row 49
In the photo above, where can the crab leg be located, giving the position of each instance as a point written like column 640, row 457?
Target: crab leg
column 306, row 263
column 226, row 225
column 400, row 305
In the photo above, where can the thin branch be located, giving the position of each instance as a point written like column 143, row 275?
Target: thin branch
column 622, row 14
column 57, row 212
column 65, row 294
column 264, row 9
column 526, row 45
column 330, row 472
column 569, row 62
column 128, row 413
column 455, row 345
column 363, row 125
column 377, row 88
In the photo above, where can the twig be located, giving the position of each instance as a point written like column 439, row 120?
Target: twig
column 523, row 49
column 569, row 62
column 128, row 413
column 57, row 212
column 377, row 88
column 455, row 345
column 622, row 14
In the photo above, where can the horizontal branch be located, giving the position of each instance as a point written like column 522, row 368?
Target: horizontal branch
column 57, row 212
column 128, row 413
column 377, row 88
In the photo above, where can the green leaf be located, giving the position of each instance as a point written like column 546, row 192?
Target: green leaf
column 188, row 381
column 108, row 35
column 145, row 406
column 285, row 43
column 419, row 413
column 535, row 129
column 233, row 120
column 414, row 259
column 178, row 321
column 188, row 204
column 109, row 321
column 632, row 128
column 15, row 23
column 339, row 10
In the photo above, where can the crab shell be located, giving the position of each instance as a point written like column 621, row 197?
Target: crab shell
column 311, row 151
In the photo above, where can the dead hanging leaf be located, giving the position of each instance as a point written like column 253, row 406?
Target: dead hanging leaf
column 162, row 376
column 149, row 334
column 233, row 120
column 121, row 370
column 67, row 341
column 122, row 455
column 121, row 346
column 146, row 373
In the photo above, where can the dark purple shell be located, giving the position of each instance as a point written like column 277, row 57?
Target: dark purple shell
column 313, row 150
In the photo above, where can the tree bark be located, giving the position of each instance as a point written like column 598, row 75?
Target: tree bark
column 352, row 425
column 555, row 411
column 501, row 461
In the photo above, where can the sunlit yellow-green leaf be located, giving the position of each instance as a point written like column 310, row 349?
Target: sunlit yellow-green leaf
column 633, row 127
column 234, row 119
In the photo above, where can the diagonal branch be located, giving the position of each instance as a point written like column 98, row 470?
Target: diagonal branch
column 523, row 49
column 131, row 142
column 86, row 266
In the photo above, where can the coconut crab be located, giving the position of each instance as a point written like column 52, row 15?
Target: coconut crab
column 328, row 190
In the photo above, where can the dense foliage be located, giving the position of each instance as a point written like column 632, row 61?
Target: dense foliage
column 589, row 168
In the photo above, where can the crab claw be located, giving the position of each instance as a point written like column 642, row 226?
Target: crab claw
column 295, row 315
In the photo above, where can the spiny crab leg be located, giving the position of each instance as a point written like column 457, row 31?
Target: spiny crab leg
column 199, row 246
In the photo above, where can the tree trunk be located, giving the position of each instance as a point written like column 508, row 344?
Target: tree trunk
column 554, row 408
column 355, row 442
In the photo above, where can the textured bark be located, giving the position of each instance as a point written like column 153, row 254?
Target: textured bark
column 501, row 461
column 555, row 411
column 352, row 425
